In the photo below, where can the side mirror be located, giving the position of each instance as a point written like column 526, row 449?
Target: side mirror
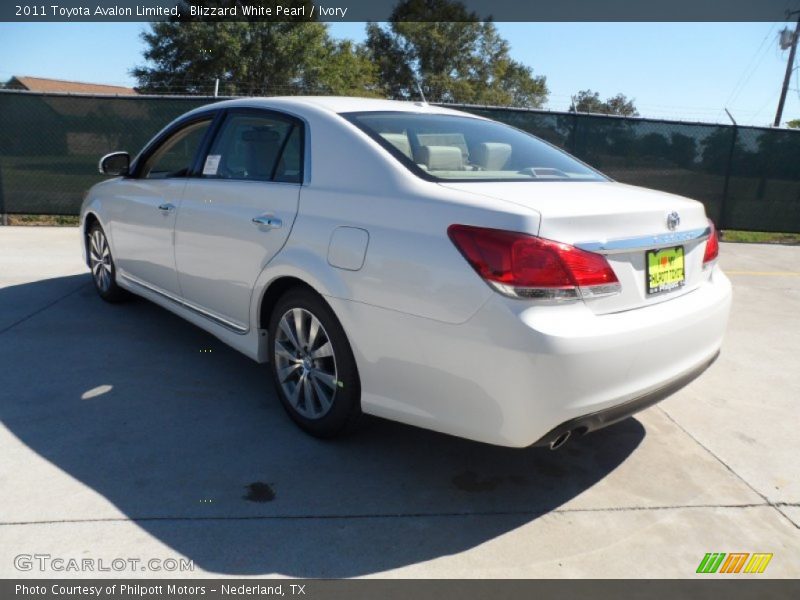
column 116, row 163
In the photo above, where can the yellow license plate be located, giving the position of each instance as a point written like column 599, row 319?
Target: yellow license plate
column 665, row 269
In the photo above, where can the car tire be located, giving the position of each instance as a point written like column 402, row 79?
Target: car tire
column 312, row 365
column 101, row 263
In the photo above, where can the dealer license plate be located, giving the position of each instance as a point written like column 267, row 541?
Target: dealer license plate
column 665, row 269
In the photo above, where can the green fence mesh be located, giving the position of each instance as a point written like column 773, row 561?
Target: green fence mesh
column 748, row 177
column 50, row 144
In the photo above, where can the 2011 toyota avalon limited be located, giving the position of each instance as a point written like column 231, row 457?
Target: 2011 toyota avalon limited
column 415, row 263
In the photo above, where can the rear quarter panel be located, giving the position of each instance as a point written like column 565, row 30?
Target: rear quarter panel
column 410, row 265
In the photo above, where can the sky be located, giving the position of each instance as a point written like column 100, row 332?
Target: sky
column 685, row 71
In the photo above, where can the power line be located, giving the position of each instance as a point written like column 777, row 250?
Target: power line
column 748, row 71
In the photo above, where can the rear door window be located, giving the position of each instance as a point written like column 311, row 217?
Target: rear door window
column 256, row 147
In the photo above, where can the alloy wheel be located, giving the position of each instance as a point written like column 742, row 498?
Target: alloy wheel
column 100, row 260
column 305, row 363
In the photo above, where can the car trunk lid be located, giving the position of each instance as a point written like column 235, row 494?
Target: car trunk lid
column 619, row 221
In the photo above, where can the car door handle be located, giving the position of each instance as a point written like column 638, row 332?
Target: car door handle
column 166, row 207
column 268, row 221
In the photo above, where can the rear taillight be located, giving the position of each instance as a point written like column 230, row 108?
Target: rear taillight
column 523, row 266
column 712, row 246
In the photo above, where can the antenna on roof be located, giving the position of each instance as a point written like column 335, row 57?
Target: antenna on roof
column 419, row 89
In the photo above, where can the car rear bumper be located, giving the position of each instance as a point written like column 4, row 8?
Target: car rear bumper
column 614, row 414
column 516, row 372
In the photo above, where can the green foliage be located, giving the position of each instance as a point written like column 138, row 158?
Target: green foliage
column 793, row 124
column 252, row 58
column 452, row 56
column 349, row 71
column 755, row 237
column 588, row 101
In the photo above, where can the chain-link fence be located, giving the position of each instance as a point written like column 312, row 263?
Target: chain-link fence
column 748, row 177
column 50, row 144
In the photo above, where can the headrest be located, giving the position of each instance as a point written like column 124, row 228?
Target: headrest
column 492, row 156
column 399, row 141
column 262, row 135
column 445, row 139
column 442, row 158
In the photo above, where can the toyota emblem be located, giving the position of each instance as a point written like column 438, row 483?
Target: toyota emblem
column 673, row 220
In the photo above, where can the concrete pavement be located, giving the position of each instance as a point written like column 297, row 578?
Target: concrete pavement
column 128, row 433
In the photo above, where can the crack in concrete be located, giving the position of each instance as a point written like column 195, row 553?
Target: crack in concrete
column 42, row 309
column 775, row 505
column 534, row 513
column 511, row 513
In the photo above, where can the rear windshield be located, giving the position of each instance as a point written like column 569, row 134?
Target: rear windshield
column 454, row 148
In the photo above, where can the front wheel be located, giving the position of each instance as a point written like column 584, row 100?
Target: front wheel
column 313, row 365
column 104, row 274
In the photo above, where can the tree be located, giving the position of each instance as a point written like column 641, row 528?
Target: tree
column 451, row 55
column 589, row 102
column 257, row 57
column 349, row 71
column 793, row 124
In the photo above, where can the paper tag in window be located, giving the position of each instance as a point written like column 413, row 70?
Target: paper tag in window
column 212, row 164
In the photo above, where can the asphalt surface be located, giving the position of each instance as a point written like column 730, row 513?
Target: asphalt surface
column 127, row 433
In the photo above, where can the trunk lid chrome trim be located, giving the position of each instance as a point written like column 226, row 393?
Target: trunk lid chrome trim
column 644, row 242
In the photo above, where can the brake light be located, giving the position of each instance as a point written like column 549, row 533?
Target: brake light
column 524, row 266
column 712, row 246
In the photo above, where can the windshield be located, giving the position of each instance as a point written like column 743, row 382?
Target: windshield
column 454, row 148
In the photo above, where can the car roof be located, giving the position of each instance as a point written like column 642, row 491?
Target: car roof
column 335, row 104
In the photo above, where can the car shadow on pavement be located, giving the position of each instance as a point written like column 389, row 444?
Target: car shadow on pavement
column 187, row 438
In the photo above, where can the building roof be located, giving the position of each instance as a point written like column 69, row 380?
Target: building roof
column 41, row 84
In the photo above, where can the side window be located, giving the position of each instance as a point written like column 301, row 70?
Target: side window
column 255, row 148
column 290, row 166
column 175, row 156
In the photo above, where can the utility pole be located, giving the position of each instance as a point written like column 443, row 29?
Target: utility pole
column 3, row 215
column 789, row 69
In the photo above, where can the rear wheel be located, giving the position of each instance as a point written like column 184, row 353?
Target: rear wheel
column 313, row 366
column 104, row 274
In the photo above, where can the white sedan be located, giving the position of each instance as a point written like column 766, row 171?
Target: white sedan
column 415, row 263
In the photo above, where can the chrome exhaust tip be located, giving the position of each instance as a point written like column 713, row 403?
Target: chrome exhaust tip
column 560, row 440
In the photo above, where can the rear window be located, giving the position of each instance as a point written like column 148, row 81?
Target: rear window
column 454, row 148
